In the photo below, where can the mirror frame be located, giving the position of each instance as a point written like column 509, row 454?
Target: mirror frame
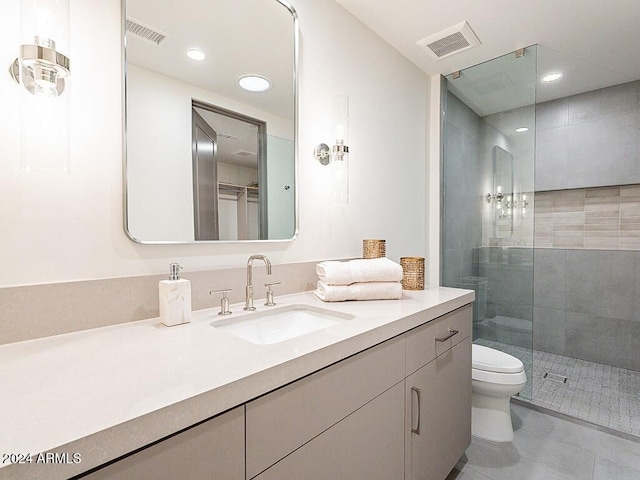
column 125, row 184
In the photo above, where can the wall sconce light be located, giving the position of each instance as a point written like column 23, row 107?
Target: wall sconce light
column 337, row 157
column 505, row 204
column 40, row 68
column 43, row 71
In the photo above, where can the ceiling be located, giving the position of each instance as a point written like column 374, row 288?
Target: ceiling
column 594, row 42
column 237, row 140
column 232, row 36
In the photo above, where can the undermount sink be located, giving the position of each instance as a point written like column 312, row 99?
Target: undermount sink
column 280, row 324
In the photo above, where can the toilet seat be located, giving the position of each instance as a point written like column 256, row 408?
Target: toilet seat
column 499, row 378
column 493, row 366
column 491, row 360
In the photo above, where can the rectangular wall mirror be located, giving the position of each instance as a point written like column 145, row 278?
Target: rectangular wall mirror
column 206, row 159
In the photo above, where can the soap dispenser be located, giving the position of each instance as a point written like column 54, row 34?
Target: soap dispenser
column 175, row 298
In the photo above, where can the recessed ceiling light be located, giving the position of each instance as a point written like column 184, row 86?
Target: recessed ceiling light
column 195, row 54
column 522, row 129
column 552, row 77
column 254, row 83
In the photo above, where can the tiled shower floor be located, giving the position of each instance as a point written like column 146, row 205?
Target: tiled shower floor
column 600, row 394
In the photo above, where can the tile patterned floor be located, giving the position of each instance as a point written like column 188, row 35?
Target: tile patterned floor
column 600, row 394
column 550, row 448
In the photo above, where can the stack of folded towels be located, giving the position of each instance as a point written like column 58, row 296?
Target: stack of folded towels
column 362, row 279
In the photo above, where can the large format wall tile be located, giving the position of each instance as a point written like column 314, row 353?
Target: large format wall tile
column 611, row 341
column 549, row 289
column 587, row 305
column 589, row 140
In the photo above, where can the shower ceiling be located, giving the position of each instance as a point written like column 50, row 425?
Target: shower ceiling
column 591, row 41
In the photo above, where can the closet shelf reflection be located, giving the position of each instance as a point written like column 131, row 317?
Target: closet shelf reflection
column 237, row 190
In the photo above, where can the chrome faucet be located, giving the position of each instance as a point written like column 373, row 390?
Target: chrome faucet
column 248, row 304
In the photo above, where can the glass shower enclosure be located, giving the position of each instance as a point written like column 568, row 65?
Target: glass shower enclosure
column 487, row 229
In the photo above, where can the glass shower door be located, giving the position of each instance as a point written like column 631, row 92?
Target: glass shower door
column 487, row 198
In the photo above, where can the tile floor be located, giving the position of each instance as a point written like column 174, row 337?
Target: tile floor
column 599, row 394
column 550, row 448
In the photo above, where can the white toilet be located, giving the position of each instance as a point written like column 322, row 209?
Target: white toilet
column 495, row 377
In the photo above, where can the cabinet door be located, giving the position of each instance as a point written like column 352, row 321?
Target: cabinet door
column 438, row 403
column 212, row 450
column 367, row 444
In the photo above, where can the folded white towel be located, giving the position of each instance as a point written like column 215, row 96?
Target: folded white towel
column 359, row 291
column 359, row 271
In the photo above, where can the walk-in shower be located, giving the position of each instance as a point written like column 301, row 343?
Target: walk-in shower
column 541, row 217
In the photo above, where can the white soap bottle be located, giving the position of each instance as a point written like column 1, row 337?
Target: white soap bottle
column 175, row 298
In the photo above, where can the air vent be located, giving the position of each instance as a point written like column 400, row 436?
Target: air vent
column 145, row 31
column 228, row 136
column 452, row 40
column 493, row 83
column 244, row 153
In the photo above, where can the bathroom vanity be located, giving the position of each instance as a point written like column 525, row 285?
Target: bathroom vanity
column 383, row 394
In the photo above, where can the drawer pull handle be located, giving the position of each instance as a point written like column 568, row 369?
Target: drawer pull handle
column 418, row 393
column 451, row 334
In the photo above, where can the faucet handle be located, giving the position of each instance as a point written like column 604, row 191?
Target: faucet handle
column 224, row 301
column 270, row 302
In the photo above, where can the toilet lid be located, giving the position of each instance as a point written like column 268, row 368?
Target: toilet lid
column 491, row 360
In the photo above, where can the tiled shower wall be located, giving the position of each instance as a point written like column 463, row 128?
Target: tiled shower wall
column 587, row 227
column 587, row 282
column 586, row 305
column 606, row 218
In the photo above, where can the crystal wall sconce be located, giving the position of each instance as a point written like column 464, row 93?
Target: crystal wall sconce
column 43, row 71
column 40, row 68
column 337, row 156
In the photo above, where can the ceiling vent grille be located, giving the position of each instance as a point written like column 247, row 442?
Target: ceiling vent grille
column 452, row 40
column 228, row 136
column 244, row 153
column 145, row 31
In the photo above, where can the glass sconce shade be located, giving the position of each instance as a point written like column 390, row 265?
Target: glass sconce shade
column 337, row 156
column 44, row 26
column 340, row 150
column 43, row 71
column 40, row 69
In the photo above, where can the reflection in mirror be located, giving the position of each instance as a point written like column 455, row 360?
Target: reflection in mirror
column 228, row 159
column 207, row 160
column 504, row 194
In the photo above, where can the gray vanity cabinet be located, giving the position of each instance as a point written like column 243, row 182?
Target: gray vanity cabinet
column 213, row 450
column 341, row 414
column 398, row 410
column 438, row 396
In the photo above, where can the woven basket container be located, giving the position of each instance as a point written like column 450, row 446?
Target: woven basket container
column 374, row 248
column 412, row 273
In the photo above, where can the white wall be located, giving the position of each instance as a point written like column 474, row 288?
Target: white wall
column 69, row 227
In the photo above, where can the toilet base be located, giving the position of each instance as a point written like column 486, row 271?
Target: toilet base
column 491, row 418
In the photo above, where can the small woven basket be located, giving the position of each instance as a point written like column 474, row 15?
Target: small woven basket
column 412, row 273
column 374, row 248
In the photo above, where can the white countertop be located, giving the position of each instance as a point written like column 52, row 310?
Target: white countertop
column 107, row 391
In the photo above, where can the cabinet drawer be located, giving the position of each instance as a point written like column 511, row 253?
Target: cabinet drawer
column 368, row 444
column 285, row 419
column 422, row 342
column 212, row 449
